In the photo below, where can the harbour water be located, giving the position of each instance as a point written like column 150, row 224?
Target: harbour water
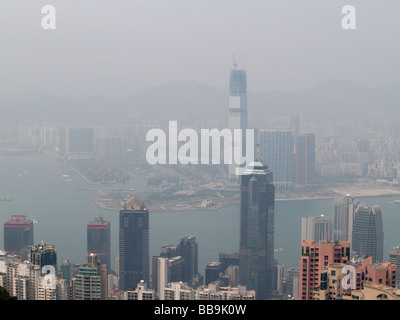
column 49, row 192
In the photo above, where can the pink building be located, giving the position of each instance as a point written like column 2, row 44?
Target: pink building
column 316, row 256
column 380, row 273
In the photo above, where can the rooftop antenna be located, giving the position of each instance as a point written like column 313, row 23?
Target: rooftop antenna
column 234, row 63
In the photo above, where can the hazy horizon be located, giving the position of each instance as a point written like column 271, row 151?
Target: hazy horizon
column 113, row 49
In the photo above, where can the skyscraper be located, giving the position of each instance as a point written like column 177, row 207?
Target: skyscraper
column 98, row 240
column 343, row 215
column 43, row 255
column 18, row 235
column 367, row 236
column 91, row 281
column 256, row 248
column 237, row 109
column 133, row 244
column 79, row 143
column 394, row 257
column 189, row 251
column 316, row 228
column 276, row 149
column 304, row 159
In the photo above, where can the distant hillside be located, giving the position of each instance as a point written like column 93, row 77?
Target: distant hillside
column 189, row 101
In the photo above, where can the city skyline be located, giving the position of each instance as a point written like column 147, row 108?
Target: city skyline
column 85, row 85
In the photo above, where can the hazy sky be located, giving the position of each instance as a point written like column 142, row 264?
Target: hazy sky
column 119, row 47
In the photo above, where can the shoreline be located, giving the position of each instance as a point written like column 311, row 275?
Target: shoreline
column 237, row 201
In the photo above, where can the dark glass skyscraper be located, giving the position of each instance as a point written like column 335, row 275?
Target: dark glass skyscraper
column 367, row 238
column 256, row 248
column 98, row 240
column 304, row 157
column 44, row 255
column 189, row 251
column 18, row 235
column 133, row 244
column 237, row 109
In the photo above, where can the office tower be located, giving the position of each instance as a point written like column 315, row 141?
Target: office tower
column 229, row 259
column 176, row 269
column 280, row 281
column 133, row 244
column 237, row 109
column 168, row 251
column 316, row 228
column 18, row 235
column 276, row 149
column 314, row 257
column 43, row 255
column 295, row 125
column 292, row 283
column 304, row 159
column 367, row 235
column 98, row 240
column 256, row 247
column 79, row 143
column 213, row 272
column 91, row 280
column 343, row 215
column 394, row 257
column 188, row 249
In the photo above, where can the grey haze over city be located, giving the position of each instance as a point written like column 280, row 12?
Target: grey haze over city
column 79, row 98
column 107, row 60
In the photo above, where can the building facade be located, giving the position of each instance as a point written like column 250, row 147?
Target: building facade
column 276, row 149
column 134, row 258
column 343, row 216
column 256, row 246
column 367, row 233
column 18, row 235
column 315, row 256
column 98, row 240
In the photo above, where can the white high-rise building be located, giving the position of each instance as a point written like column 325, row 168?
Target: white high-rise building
column 343, row 216
column 316, row 228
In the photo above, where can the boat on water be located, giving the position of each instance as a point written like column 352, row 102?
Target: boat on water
column 397, row 201
column 5, row 199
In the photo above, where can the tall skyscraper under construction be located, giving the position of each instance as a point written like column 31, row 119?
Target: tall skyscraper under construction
column 134, row 253
column 256, row 248
column 237, row 109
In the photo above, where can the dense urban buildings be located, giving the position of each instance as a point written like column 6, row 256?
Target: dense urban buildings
column 315, row 256
column 134, row 258
column 256, row 247
column 367, row 235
